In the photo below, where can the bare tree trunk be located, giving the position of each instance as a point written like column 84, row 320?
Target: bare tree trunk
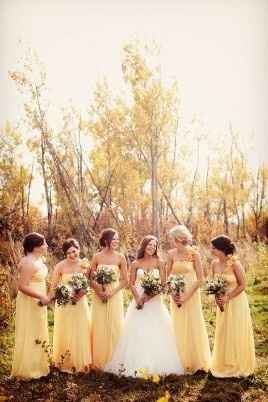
column 192, row 191
column 225, row 217
column 29, row 191
column 48, row 195
column 207, row 214
column 219, row 210
column 70, row 190
column 258, row 202
column 243, row 222
column 23, row 211
column 80, row 165
column 234, row 190
column 154, row 192
column 169, row 204
column 103, row 201
column 47, row 189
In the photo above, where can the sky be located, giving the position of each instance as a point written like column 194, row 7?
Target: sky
column 216, row 49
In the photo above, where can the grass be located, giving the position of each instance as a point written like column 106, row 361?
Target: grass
column 96, row 386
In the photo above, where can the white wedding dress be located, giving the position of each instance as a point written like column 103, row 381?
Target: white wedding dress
column 147, row 341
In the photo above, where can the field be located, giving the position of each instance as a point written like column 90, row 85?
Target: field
column 96, row 386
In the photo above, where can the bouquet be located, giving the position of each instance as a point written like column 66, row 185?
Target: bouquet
column 78, row 282
column 104, row 275
column 64, row 295
column 151, row 285
column 175, row 285
column 216, row 286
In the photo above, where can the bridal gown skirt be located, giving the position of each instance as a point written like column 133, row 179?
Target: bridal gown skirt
column 147, row 342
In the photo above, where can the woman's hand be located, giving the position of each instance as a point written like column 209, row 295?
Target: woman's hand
column 145, row 298
column 180, row 298
column 102, row 295
column 140, row 302
column 44, row 300
column 221, row 300
column 137, row 298
column 176, row 298
column 110, row 293
column 79, row 294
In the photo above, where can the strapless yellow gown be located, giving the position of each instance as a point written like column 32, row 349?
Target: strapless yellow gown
column 107, row 323
column 29, row 359
column 234, row 351
column 71, row 337
column 189, row 325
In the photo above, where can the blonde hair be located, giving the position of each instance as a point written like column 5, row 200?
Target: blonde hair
column 179, row 231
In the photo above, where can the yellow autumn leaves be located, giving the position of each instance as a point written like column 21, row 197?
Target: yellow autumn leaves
column 143, row 373
column 164, row 398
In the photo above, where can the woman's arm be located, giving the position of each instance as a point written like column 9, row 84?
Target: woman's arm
column 162, row 272
column 212, row 271
column 133, row 274
column 199, row 278
column 100, row 292
column 212, row 274
column 27, row 270
column 241, row 284
column 54, row 281
column 169, row 264
column 123, row 277
column 199, row 274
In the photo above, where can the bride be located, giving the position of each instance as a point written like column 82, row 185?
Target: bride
column 147, row 343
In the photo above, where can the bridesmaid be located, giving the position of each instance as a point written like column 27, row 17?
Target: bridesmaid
column 188, row 320
column 30, row 360
column 233, row 352
column 71, row 337
column 107, row 304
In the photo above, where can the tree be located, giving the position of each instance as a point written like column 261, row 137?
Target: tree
column 153, row 115
column 30, row 79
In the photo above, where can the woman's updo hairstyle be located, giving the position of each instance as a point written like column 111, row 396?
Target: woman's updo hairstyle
column 31, row 241
column 181, row 231
column 68, row 243
column 106, row 237
column 224, row 244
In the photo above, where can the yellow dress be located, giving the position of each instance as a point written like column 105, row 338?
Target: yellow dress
column 29, row 359
column 234, row 351
column 107, row 323
column 189, row 325
column 71, row 337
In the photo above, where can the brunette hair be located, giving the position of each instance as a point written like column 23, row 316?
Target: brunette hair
column 106, row 237
column 224, row 244
column 31, row 241
column 144, row 243
column 68, row 243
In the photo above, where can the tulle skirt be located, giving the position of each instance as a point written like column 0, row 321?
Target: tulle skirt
column 147, row 342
